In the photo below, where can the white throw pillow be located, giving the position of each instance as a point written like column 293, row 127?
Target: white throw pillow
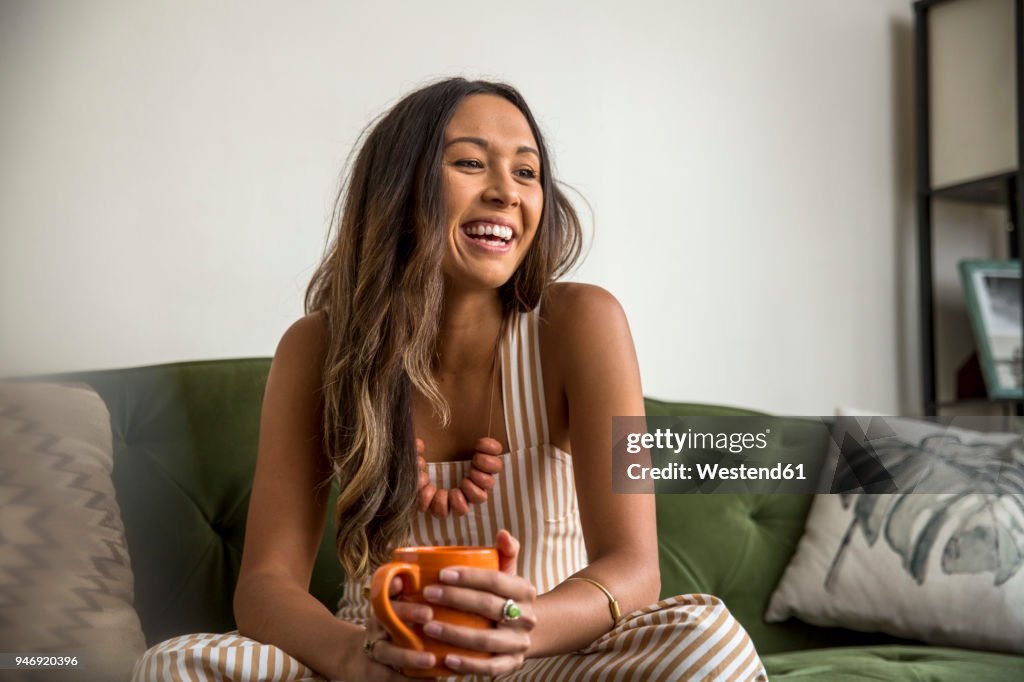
column 945, row 568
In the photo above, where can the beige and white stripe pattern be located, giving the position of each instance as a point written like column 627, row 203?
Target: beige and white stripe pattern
column 689, row 637
column 213, row 658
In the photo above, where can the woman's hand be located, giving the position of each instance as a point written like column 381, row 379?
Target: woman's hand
column 386, row 658
column 474, row 487
column 485, row 592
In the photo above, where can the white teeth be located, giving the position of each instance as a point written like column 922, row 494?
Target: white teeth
column 499, row 231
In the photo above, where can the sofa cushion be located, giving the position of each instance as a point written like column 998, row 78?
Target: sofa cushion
column 65, row 573
column 185, row 439
column 894, row 663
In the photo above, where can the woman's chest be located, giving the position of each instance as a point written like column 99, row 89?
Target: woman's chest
column 475, row 409
column 482, row 406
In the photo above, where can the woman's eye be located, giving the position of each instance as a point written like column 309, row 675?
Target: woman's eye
column 469, row 163
column 528, row 173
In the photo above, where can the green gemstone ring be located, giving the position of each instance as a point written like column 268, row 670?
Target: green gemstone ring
column 510, row 611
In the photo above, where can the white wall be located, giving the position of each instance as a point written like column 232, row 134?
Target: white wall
column 168, row 170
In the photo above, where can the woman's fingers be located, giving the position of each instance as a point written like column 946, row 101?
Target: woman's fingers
column 486, row 604
column 508, row 550
column 485, row 592
column 488, row 667
column 407, row 611
column 483, row 581
column 411, row 612
column 491, row 640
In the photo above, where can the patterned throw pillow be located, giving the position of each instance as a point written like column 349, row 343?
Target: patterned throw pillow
column 945, row 568
column 66, row 583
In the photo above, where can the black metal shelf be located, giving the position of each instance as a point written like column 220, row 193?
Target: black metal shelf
column 999, row 188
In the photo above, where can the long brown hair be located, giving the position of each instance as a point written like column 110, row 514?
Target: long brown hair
column 381, row 287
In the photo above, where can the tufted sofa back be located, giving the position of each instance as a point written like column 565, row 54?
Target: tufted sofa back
column 185, row 439
column 737, row 546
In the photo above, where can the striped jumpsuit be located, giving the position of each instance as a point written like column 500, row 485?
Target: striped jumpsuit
column 686, row 637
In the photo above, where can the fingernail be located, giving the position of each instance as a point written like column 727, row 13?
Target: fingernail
column 433, row 628
column 453, row 662
column 449, row 575
column 424, row 615
column 425, row 660
column 432, row 592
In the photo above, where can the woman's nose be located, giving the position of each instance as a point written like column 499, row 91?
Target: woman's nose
column 501, row 189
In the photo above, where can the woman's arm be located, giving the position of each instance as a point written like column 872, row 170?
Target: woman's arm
column 601, row 376
column 286, row 521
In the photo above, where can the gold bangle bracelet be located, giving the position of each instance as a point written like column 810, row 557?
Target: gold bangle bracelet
column 613, row 605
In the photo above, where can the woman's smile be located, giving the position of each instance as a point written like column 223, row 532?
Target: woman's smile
column 492, row 234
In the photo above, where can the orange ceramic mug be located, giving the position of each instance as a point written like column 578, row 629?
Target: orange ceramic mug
column 419, row 567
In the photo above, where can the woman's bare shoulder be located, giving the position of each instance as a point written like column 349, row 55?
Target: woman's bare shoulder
column 583, row 331
column 309, row 331
column 301, row 351
column 577, row 312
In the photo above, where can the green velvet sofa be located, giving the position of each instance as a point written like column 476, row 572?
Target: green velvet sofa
column 184, row 449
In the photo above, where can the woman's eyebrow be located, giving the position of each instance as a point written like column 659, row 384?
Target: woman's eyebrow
column 481, row 142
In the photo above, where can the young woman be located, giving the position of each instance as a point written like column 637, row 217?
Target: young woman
column 459, row 396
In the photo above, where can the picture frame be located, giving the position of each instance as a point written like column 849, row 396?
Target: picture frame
column 993, row 293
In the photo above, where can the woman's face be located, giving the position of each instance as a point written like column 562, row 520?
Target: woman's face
column 492, row 191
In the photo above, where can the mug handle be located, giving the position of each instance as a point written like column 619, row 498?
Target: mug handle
column 380, row 599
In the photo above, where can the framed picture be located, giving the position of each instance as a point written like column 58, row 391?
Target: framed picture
column 993, row 296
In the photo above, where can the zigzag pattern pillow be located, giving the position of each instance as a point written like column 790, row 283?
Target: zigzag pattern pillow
column 66, row 584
